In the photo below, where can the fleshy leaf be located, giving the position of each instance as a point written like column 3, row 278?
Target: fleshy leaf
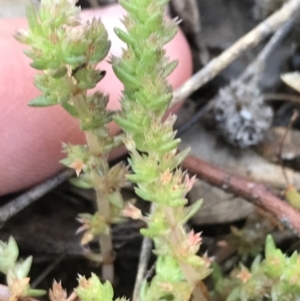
column 93, row 289
column 9, row 253
column 43, row 101
column 81, row 183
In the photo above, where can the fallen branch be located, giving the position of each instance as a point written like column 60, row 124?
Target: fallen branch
column 15, row 206
column 251, row 39
column 53, row 264
column 250, row 77
column 142, row 267
column 253, row 192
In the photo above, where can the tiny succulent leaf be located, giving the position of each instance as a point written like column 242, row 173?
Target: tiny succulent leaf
column 116, row 199
column 32, row 17
column 36, row 293
column 9, row 253
column 71, row 109
column 167, row 269
column 93, row 289
column 43, row 101
column 22, row 268
column 192, row 210
column 57, row 293
column 81, row 183
column 277, row 276
column 59, row 72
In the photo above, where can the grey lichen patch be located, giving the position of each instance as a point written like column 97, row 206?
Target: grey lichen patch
column 242, row 116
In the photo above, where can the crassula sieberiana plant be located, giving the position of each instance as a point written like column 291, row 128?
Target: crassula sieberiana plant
column 67, row 52
column 276, row 278
column 16, row 272
column 154, row 157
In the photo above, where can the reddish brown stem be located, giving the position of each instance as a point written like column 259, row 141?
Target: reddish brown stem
column 253, row 192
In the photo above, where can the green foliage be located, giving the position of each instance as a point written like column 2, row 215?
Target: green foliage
column 168, row 283
column 16, row 271
column 93, row 289
column 250, row 239
column 9, row 253
column 275, row 278
column 57, row 40
column 144, row 70
column 292, row 196
column 67, row 51
column 93, row 226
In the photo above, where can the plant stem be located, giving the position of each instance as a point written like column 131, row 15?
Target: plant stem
column 92, row 142
column 198, row 294
column 103, row 205
column 176, row 239
column 105, row 240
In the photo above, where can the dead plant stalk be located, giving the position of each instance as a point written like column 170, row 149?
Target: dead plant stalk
column 253, row 192
column 251, row 39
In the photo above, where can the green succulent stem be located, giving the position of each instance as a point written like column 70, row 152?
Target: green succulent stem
column 79, row 102
column 67, row 51
column 92, row 142
column 105, row 240
column 176, row 237
column 144, row 69
column 103, row 205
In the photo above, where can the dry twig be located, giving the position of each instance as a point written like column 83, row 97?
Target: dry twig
column 143, row 264
column 142, row 268
column 251, row 39
column 47, row 270
column 282, row 97
column 249, row 78
column 253, row 192
column 15, row 206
